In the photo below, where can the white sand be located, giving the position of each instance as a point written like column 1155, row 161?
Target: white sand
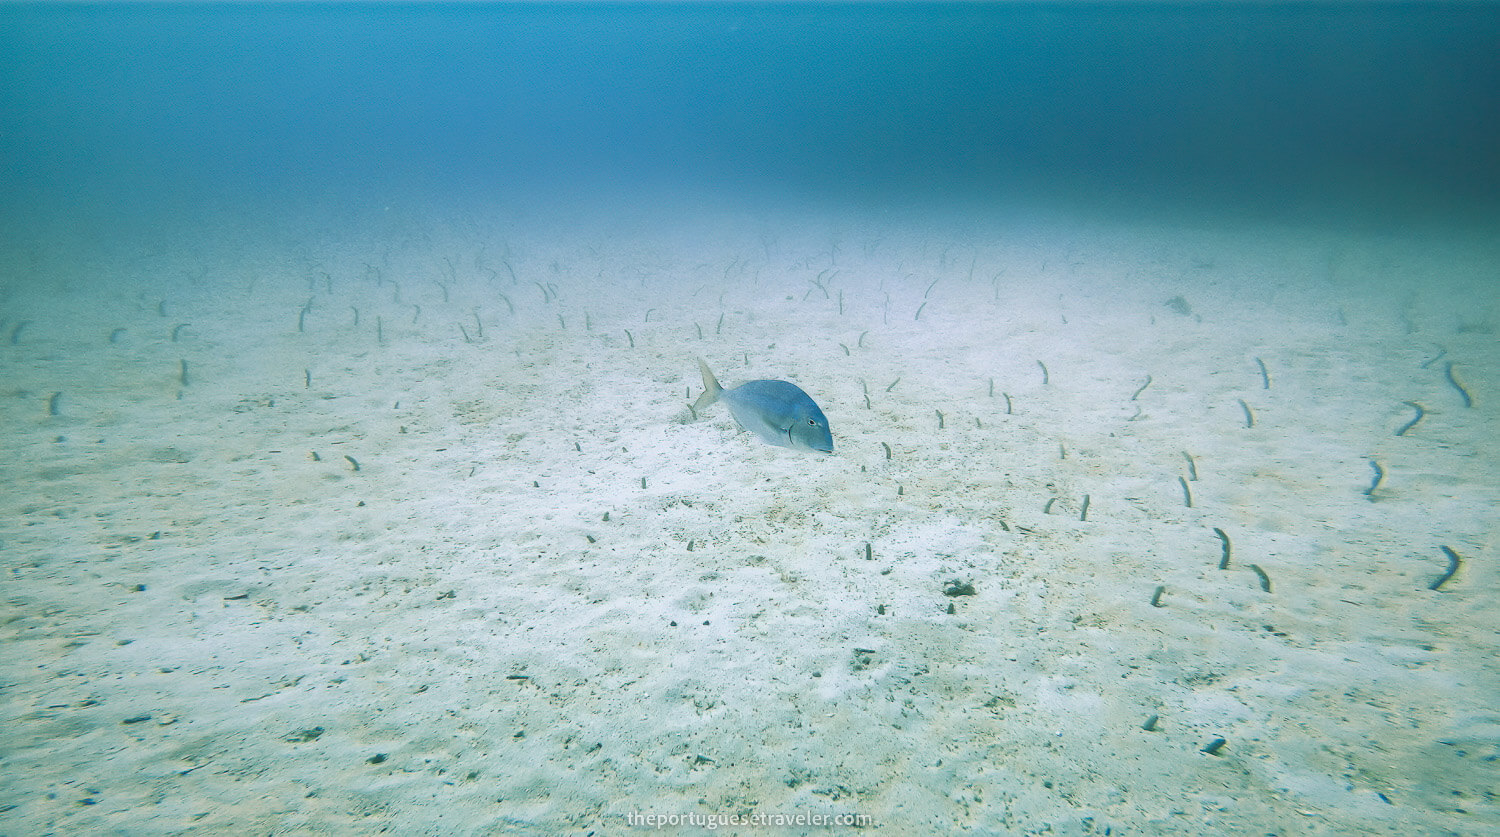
column 215, row 624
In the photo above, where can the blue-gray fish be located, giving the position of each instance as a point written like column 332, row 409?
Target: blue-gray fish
column 778, row 412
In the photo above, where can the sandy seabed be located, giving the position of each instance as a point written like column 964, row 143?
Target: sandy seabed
column 405, row 526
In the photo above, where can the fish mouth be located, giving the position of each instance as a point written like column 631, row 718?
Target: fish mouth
column 792, row 443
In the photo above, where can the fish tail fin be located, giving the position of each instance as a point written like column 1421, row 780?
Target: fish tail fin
column 711, row 388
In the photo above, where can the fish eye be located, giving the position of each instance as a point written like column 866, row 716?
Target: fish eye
column 813, row 422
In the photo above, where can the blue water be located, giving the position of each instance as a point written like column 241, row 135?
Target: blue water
column 350, row 483
column 1277, row 107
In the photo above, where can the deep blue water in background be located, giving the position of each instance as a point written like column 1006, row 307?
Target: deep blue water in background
column 1281, row 107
